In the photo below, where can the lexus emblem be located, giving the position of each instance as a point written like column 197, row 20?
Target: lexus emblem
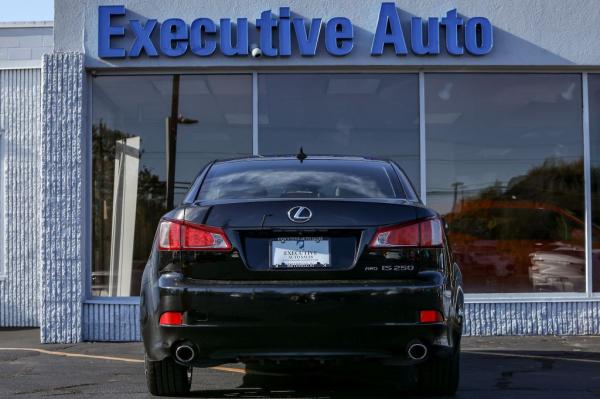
column 299, row 214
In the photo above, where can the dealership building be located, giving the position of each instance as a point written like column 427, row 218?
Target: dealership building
column 492, row 108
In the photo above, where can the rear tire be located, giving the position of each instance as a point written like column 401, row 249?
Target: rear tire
column 167, row 378
column 440, row 376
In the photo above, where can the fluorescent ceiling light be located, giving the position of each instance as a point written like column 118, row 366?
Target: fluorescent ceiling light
column 239, row 119
column 446, row 118
column 263, row 119
column 229, row 85
column 352, row 86
column 186, row 87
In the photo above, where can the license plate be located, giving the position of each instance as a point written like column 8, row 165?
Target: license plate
column 300, row 253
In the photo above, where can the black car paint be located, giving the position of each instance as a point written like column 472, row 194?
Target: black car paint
column 237, row 310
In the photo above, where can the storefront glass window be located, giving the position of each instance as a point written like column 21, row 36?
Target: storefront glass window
column 594, row 107
column 504, row 167
column 203, row 117
column 343, row 114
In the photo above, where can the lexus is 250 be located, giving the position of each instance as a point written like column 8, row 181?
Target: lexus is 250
column 296, row 259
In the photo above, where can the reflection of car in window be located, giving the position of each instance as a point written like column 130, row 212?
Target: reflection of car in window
column 518, row 245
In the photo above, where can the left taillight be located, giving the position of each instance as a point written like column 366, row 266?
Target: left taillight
column 424, row 233
column 177, row 235
column 171, row 319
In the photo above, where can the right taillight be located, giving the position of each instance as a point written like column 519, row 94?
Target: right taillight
column 177, row 235
column 430, row 316
column 425, row 233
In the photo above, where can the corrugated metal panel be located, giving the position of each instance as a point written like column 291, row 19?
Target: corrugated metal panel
column 120, row 322
column 20, row 110
column 62, row 180
column 111, row 322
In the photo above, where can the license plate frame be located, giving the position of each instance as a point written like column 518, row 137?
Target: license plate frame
column 319, row 258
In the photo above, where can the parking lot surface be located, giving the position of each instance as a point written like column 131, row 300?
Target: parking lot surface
column 492, row 367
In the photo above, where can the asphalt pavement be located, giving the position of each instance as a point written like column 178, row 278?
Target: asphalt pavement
column 492, row 367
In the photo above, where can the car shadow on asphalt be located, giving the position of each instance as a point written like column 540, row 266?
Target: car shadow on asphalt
column 498, row 373
column 340, row 382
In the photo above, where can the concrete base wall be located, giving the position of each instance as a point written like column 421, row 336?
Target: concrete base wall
column 111, row 322
column 120, row 322
column 535, row 318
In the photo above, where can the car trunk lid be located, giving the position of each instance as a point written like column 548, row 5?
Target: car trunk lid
column 345, row 227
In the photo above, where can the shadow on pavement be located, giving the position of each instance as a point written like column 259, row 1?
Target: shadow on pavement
column 504, row 373
column 371, row 381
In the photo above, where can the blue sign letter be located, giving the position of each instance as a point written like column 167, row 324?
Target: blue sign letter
column 142, row 38
column 209, row 45
column 388, row 18
column 433, row 36
column 285, row 32
column 106, row 31
column 487, row 38
column 173, row 31
column 338, row 36
column 241, row 42
column 266, row 24
column 307, row 41
column 452, row 22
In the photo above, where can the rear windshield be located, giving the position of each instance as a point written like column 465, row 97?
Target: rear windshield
column 291, row 179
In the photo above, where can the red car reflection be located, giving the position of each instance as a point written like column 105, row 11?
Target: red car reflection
column 518, row 246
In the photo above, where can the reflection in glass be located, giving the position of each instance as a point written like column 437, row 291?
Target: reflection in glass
column 310, row 179
column 504, row 167
column 594, row 104
column 127, row 159
column 343, row 114
column 131, row 117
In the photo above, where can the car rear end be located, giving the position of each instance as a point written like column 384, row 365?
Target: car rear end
column 319, row 270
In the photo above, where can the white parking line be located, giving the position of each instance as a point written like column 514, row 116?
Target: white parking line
column 67, row 354
column 242, row 371
column 113, row 358
column 535, row 357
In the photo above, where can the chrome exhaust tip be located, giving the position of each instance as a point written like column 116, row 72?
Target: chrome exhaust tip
column 184, row 353
column 417, row 351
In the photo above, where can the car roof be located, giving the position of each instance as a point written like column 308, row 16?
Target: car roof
column 295, row 158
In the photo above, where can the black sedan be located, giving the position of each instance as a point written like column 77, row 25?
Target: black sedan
column 296, row 259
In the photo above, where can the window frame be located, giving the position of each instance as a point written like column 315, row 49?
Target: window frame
column 533, row 297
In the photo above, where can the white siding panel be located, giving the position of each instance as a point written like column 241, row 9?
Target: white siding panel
column 20, row 110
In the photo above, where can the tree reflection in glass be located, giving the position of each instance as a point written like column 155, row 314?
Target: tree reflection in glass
column 504, row 166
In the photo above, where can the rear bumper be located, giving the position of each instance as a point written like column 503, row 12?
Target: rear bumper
column 231, row 321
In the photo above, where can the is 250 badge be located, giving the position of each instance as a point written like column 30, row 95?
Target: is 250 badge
column 390, row 268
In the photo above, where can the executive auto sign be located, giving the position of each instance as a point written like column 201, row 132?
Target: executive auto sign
column 280, row 34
